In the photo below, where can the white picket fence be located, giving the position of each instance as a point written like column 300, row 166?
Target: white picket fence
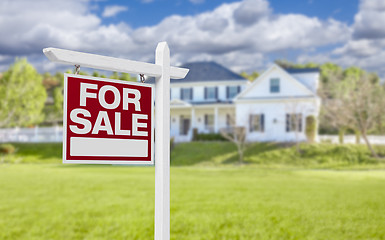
column 351, row 139
column 36, row 134
column 55, row 134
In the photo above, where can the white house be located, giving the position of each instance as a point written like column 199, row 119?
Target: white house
column 272, row 108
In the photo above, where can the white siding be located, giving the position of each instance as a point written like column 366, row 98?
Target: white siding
column 288, row 87
column 275, row 119
column 310, row 80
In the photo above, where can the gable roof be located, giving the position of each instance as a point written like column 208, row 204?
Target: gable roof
column 261, row 77
column 205, row 72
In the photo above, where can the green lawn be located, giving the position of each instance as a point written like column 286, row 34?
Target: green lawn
column 54, row 201
column 211, row 154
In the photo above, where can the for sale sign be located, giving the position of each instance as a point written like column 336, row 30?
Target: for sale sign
column 107, row 121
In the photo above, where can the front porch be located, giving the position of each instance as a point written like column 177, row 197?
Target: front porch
column 206, row 118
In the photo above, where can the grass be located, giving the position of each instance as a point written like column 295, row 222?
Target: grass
column 272, row 155
column 53, row 201
column 320, row 156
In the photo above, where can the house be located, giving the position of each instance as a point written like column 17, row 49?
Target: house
column 272, row 108
column 276, row 105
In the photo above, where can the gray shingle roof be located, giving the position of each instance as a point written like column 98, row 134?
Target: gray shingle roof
column 204, row 72
column 301, row 70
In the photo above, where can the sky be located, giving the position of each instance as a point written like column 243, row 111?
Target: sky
column 246, row 35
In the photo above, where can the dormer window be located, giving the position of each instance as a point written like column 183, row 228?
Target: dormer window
column 274, row 85
column 211, row 93
column 186, row 93
column 232, row 91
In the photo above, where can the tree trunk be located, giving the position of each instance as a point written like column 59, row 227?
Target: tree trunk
column 240, row 153
column 341, row 133
column 358, row 136
column 374, row 154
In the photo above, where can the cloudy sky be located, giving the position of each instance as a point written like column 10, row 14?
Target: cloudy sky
column 242, row 35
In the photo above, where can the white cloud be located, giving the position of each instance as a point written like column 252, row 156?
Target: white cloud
column 111, row 11
column 369, row 21
column 239, row 35
column 366, row 46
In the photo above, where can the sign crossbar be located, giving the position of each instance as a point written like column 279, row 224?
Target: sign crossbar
column 110, row 63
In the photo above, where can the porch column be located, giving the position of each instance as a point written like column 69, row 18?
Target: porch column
column 216, row 119
column 192, row 118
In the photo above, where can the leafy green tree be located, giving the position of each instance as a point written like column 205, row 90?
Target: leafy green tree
column 22, row 95
column 127, row 77
column 58, row 97
column 114, row 75
column 356, row 103
column 286, row 64
column 251, row 77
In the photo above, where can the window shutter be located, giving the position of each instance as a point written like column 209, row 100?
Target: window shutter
column 181, row 94
column 205, row 92
column 216, row 92
column 191, row 94
column 206, row 120
column 300, row 122
column 262, row 123
column 251, row 123
column 287, row 122
column 227, row 92
column 238, row 89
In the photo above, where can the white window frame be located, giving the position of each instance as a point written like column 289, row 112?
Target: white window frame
column 275, row 85
column 257, row 122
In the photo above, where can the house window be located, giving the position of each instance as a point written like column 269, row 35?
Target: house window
column 257, row 123
column 211, row 92
column 274, row 85
column 232, row 91
column 209, row 122
column 294, row 122
column 186, row 93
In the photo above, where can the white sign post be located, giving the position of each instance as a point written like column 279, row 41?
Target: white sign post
column 162, row 71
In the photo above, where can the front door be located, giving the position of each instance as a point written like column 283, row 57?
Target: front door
column 184, row 125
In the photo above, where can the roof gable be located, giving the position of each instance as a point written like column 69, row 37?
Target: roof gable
column 289, row 86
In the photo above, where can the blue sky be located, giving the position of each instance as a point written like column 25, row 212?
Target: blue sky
column 244, row 35
column 141, row 13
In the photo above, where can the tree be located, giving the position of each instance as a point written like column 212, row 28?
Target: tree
column 114, row 75
column 286, row 64
column 311, row 128
column 58, row 97
column 236, row 135
column 251, row 77
column 357, row 102
column 127, row 77
column 22, row 95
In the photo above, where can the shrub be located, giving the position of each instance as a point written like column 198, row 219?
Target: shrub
column 7, row 149
column 311, row 128
column 209, row 137
column 195, row 134
column 172, row 143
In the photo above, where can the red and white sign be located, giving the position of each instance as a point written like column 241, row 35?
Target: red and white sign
column 107, row 121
